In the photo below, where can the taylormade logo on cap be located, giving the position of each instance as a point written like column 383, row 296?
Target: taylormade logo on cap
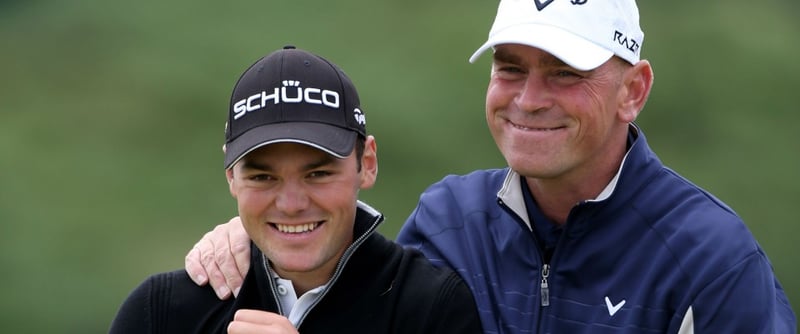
column 582, row 33
column 293, row 96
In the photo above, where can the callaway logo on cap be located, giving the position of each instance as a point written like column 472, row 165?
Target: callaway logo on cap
column 292, row 95
column 582, row 33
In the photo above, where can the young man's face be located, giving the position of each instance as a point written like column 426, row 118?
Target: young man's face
column 298, row 204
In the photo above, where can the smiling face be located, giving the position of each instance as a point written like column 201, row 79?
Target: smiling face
column 298, row 204
column 553, row 122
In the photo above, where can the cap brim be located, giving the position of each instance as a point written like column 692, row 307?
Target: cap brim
column 577, row 52
column 333, row 140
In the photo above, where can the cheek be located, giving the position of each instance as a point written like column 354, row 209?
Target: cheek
column 231, row 185
column 496, row 101
column 250, row 202
column 494, row 96
column 591, row 106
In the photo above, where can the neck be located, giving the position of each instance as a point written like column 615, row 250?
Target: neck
column 303, row 280
column 557, row 196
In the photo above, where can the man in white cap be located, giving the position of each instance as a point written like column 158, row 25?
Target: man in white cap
column 586, row 231
column 296, row 155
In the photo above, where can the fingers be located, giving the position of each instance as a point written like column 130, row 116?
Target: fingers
column 221, row 258
column 256, row 321
column 240, row 247
column 232, row 253
column 258, row 317
column 193, row 267
column 202, row 267
column 209, row 260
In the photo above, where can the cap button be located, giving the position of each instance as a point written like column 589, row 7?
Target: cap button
column 289, row 47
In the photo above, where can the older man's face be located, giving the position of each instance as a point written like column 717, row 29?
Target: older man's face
column 550, row 120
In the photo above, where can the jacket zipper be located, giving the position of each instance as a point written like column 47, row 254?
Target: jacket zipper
column 544, row 286
column 545, row 289
column 377, row 219
column 271, row 282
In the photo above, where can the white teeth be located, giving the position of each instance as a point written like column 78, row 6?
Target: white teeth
column 532, row 129
column 297, row 228
column 525, row 128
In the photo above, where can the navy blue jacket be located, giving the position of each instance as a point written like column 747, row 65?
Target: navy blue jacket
column 658, row 255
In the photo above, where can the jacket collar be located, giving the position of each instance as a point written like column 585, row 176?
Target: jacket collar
column 366, row 222
column 510, row 192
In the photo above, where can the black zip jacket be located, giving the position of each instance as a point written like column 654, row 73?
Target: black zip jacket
column 378, row 287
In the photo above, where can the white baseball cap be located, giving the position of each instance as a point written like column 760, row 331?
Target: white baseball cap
column 582, row 33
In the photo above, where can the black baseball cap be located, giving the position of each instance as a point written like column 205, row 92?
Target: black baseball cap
column 292, row 95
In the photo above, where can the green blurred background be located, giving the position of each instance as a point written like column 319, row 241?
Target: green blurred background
column 112, row 113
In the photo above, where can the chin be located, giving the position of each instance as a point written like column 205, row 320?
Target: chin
column 530, row 168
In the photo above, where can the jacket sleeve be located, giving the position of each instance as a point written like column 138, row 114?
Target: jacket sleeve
column 412, row 234
column 745, row 299
column 431, row 217
column 458, row 313
column 136, row 313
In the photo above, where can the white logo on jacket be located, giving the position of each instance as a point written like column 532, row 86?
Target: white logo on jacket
column 612, row 309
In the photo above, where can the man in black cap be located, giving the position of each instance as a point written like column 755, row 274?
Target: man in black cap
column 296, row 156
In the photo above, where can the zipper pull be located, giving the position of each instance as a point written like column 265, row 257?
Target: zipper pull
column 545, row 288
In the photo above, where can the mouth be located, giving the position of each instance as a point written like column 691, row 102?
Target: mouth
column 527, row 128
column 296, row 228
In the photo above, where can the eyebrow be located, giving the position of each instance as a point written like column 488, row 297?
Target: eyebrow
column 505, row 57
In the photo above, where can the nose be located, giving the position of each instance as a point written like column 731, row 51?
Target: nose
column 535, row 95
column 292, row 198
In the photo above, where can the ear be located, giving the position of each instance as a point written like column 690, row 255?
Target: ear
column 369, row 163
column 231, row 181
column 637, row 82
